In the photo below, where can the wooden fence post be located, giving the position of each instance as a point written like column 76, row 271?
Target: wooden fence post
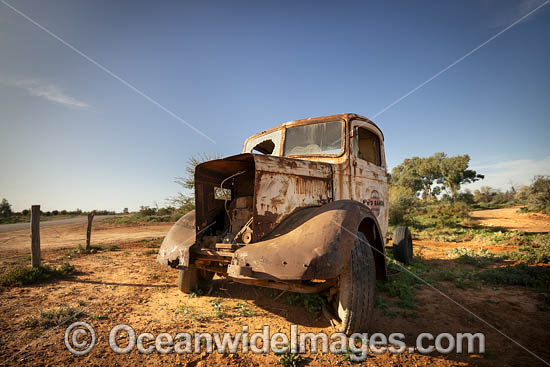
column 35, row 236
column 89, row 230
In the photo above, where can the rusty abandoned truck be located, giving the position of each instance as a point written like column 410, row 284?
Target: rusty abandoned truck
column 304, row 208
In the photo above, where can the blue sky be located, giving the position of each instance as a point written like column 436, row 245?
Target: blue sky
column 74, row 136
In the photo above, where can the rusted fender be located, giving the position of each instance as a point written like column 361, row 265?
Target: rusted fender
column 177, row 242
column 312, row 243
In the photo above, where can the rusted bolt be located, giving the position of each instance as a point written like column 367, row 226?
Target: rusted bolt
column 284, row 262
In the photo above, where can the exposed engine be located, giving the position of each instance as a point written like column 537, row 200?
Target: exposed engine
column 241, row 215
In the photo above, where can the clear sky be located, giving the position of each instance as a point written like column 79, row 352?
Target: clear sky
column 72, row 136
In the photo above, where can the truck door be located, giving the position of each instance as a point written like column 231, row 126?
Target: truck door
column 368, row 170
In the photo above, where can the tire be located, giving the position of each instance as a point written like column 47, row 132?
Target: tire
column 190, row 279
column 354, row 302
column 402, row 245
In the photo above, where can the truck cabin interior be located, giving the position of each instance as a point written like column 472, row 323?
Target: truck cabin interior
column 368, row 146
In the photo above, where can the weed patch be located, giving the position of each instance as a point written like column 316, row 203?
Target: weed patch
column 219, row 310
column 189, row 313
column 402, row 286
column 536, row 277
column 537, row 252
column 468, row 256
column 53, row 317
column 243, row 310
column 312, row 303
column 290, row 359
column 93, row 249
column 460, row 277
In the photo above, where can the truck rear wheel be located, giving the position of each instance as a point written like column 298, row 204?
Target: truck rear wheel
column 402, row 245
column 190, row 279
column 354, row 302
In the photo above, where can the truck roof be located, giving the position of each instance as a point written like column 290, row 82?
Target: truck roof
column 340, row 116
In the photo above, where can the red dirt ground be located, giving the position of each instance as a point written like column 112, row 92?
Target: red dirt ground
column 128, row 286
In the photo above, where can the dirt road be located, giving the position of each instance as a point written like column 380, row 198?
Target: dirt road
column 128, row 287
column 55, row 222
column 61, row 235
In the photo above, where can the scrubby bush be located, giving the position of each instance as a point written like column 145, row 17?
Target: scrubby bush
column 24, row 275
column 447, row 214
column 146, row 210
column 537, row 195
column 466, row 197
column 402, row 204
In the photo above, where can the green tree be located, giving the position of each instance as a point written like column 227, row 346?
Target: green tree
column 182, row 201
column 405, row 175
column 429, row 171
column 419, row 175
column 455, row 172
column 188, row 181
column 5, row 208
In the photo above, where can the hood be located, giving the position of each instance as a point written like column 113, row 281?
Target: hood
column 278, row 186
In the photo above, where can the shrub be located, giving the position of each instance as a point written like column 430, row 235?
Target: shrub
column 402, row 204
column 145, row 211
column 24, row 275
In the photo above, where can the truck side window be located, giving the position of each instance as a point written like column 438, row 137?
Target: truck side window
column 265, row 147
column 368, row 146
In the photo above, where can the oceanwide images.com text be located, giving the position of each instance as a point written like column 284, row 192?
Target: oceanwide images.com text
column 80, row 338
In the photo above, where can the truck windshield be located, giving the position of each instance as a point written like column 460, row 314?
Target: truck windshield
column 321, row 138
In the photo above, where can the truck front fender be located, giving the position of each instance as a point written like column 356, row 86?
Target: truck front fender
column 177, row 242
column 312, row 243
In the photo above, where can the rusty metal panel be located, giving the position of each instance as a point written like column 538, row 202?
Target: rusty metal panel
column 278, row 195
column 292, row 166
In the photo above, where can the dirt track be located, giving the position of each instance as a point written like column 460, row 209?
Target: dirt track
column 510, row 219
column 128, row 286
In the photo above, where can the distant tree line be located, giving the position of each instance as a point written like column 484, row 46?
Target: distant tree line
column 7, row 215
